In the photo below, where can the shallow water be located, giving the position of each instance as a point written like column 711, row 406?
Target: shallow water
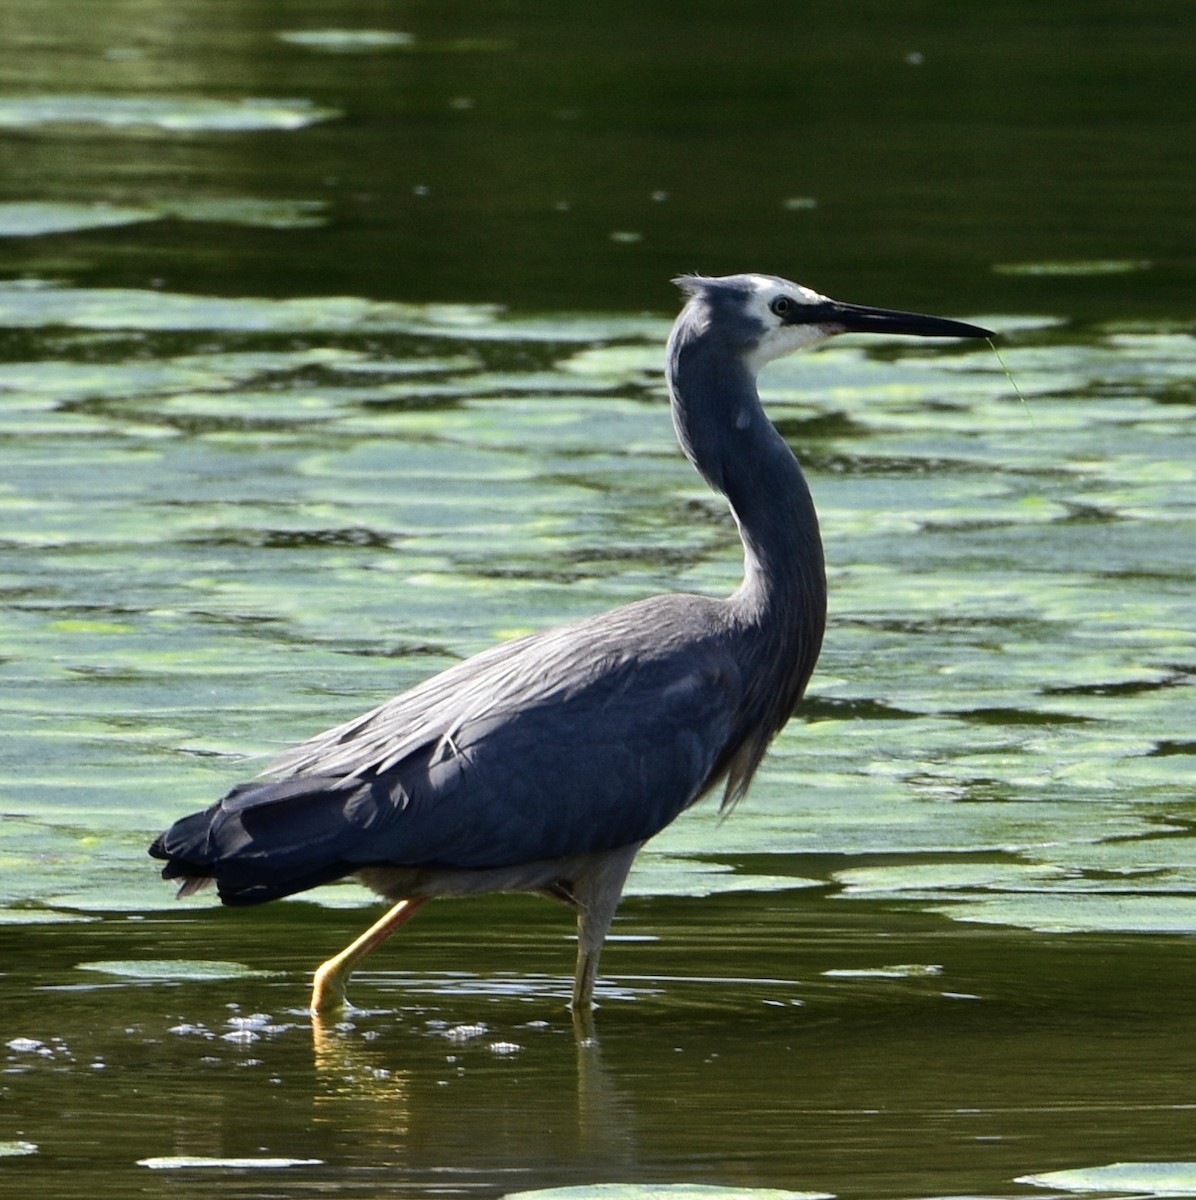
column 915, row 960
column 867, row 1053
column 288, row 424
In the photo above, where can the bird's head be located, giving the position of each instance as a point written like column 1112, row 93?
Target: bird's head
column 762, row 317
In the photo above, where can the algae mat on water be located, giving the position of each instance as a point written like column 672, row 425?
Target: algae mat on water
column 229, row 523
column 664, row 1191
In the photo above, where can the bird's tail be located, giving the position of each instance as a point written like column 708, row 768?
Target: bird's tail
column 268, row 839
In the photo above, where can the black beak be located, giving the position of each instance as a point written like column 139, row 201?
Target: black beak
column 857, row 318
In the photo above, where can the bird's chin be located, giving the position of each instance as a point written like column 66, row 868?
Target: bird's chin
column 788, row 339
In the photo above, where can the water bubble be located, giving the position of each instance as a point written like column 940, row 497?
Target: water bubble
column 24, row 1045
column 255, row 1020
column 465, row 1033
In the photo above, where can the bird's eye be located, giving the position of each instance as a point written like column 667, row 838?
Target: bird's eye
column 782, row 306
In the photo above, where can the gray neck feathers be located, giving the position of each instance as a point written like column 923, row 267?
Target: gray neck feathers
column 781, row 604
column 726, row 434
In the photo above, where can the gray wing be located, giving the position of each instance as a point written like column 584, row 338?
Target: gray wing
column 581, row 739
column 607, row 766
column 652, row 646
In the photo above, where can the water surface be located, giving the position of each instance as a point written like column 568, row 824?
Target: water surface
column 330, row 350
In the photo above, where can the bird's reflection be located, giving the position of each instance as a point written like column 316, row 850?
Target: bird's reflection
column 349, row 1067
column 488, row 1095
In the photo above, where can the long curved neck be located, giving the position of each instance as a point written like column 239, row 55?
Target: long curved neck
column 778, row 614
column 725, row 433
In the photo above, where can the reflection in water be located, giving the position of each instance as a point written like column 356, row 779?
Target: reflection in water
column 348, row 1068
column 468, row 1116
column 987, row 1055
column 606, row 1116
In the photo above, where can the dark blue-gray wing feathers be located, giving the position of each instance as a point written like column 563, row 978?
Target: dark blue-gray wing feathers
column 582, row 739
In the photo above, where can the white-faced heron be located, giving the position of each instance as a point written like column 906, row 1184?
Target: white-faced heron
column 544, row 764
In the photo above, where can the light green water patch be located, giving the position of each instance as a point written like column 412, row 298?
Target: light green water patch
column 25, row 419
column 41, row 916
column 32, row 304
column 582, row 328
column 174, row 114
column 347, row 41
column 866, row 509
column 1080, row 267
column 249, row 211
column 54, row 871
column 27, row 304
column 17, row 1149
column 1166, row 857
column 172, row 970
column 195, row 1162
column 622, row 363
column 663, row 1191
column 896, row 971
column 381, row 41
column 299, row 405
column 37, row 219
column 356, row 364
column 64, row 381
column 858, row 378
column 1096, row 389
column 1139, row 1178
column 818, row 811
column 927, row 878
column 574, row 426
column 1146, row 884
column 1121, row 913
column 528, row 387
column 656, row 874
column 1152, row 350
column 112, row 886
column 1010, row 325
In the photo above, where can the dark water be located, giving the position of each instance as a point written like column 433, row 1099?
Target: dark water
column 1025, row 1053
column 869, row 148
column 330, row 340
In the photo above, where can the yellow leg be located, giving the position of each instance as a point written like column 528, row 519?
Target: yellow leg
column 328, row 986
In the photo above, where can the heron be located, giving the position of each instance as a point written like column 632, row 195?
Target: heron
column 545, row 763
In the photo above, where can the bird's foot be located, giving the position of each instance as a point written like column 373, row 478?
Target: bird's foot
column 328, row 997
column 583, row 1024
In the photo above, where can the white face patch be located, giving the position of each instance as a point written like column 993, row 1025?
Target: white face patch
column 779, row 338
